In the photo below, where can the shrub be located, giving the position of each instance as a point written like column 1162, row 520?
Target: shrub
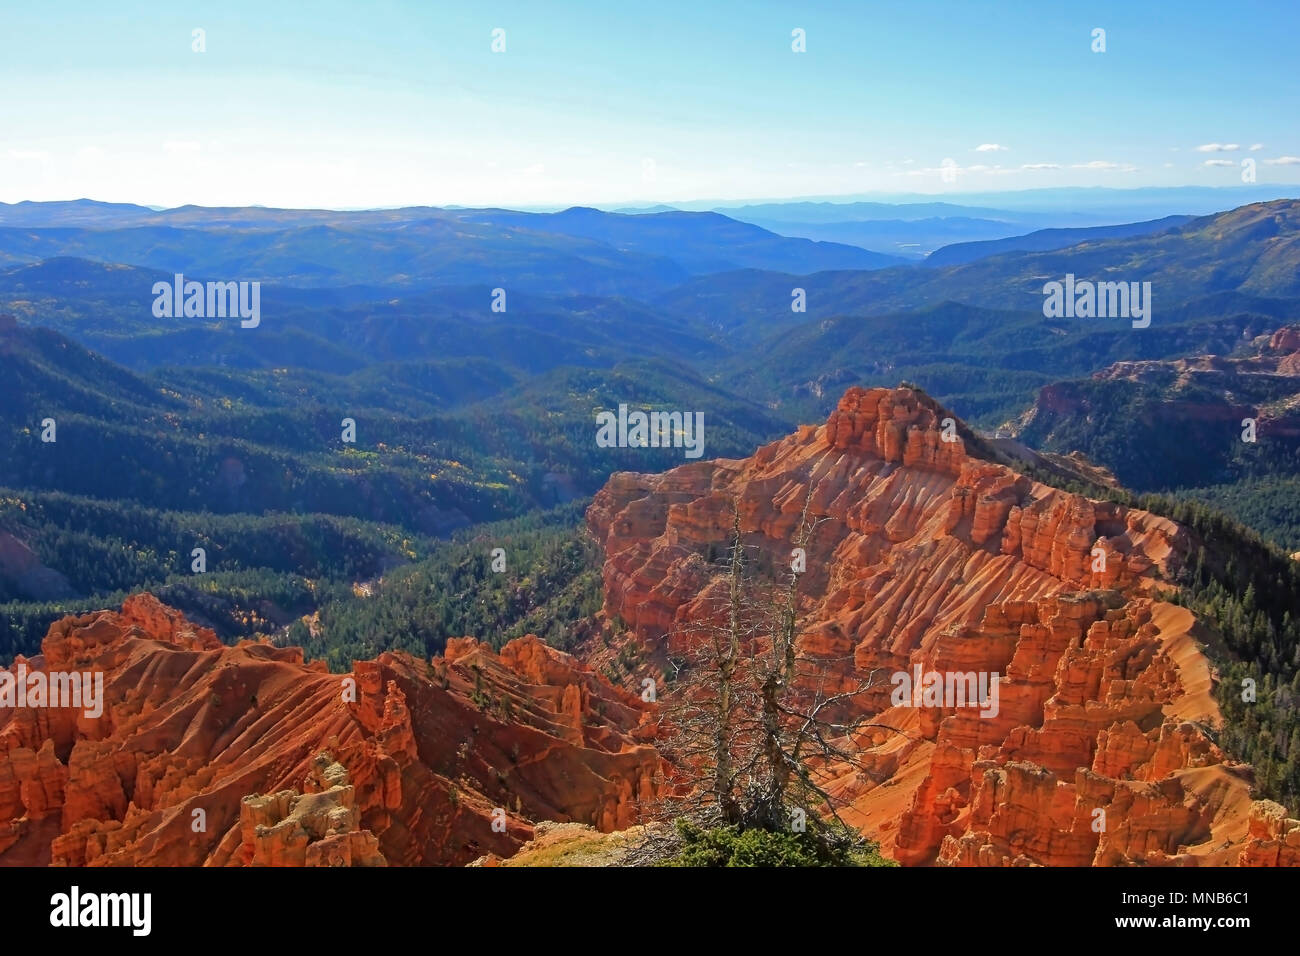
column 732, row 846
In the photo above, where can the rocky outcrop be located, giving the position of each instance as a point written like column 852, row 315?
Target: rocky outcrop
column 1274, row 839
column 930, row 558
column 318, row 828
column 212, row 755
column 1186, row 422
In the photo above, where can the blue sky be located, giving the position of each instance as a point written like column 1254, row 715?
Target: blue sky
column 381, row 104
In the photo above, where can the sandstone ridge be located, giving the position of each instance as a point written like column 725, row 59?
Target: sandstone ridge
column 214, row 755
column 932, row 554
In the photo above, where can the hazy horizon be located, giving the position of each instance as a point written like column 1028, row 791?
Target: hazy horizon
column 965, row 199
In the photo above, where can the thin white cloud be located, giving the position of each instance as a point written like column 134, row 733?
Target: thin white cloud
column 1283, row 161
column 1217, row 148
column 1105, row 164
column 28, row 154
column 948, row 167
column 1220, row 162
column 991, row 148
column 178, row 146
column 1255, row 147
column 997, row 169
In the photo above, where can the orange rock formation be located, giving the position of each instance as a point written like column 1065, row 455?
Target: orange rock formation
column 930, row 555
column 217, row 756
column 1204, row 388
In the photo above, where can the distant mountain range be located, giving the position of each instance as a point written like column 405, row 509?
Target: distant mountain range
column 909, row 227
column 578, row 250
column 1254, row 249
column 916, row 225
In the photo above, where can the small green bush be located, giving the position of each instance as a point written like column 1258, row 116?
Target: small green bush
column 732, row 846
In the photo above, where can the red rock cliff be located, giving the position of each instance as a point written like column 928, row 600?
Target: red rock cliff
column 931, row 556
column 218, row 756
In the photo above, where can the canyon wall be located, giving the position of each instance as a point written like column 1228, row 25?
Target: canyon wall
column 223, row 756
column 927, row 555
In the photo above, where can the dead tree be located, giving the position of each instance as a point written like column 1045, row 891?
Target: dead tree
column 750, row 725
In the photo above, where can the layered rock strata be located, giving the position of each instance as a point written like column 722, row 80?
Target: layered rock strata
column 213, row 755
column 929, row 558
